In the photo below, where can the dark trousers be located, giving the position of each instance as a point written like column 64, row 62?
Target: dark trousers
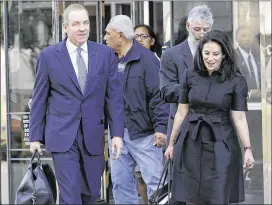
column 78, row 173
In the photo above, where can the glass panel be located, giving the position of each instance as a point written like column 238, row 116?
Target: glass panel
column 19, row 135
column 107, row 13
column 156, row 19
column 222, row 12
column 247, row 37
column 3, row 123
column 91, row 7
column 124, row 9
column 29, row 31
column 254, row 177
column 3, row 119
column 265, row 50
column 247, row 43
column 3, row 109
column 167, row 21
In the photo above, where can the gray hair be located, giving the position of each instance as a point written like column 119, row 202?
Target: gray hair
column 73, row 7
column 201, row 13
column 122, row 23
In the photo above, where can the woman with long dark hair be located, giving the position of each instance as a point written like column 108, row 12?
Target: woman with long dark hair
column 208, row 167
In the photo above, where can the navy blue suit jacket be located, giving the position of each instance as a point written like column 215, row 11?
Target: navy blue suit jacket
column 58, row 105
column 174, row 62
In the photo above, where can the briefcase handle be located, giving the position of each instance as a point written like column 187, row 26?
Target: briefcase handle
column 36, row 153
column 167, row 166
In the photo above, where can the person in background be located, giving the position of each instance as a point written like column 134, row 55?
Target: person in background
column 208, row 167
column 145, row 35
column 146, row 115
column 248, row 59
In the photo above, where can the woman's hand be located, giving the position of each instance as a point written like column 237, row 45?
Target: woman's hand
column 169, row 153
column 248, row 159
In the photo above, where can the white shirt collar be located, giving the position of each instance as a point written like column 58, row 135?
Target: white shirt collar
column 244, row 53
column 71, row 47
column 192, row 45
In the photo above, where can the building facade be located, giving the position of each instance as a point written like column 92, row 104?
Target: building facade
column 29, row 26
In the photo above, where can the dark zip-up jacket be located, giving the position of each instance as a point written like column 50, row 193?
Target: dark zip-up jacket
column 145, row 111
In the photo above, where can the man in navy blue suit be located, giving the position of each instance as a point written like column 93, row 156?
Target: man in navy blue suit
column 75, row 78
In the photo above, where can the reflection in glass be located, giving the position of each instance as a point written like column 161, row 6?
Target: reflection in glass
column 247, row 37
column 254, row 177
column 124, row 9
column 30, row 30
column 157, row 19
column 3, row 107
column 248, row 59
column 247, row 41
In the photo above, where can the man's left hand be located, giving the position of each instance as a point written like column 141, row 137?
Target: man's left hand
column 116, row 145
column 159, row 139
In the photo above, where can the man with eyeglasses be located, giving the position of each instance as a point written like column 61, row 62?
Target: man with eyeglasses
column 146, row 115
column 176, row 60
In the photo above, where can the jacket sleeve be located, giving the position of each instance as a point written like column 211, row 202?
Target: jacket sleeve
column 169, row 86
column 114, row 99
column 158, row 107
column 39, row 101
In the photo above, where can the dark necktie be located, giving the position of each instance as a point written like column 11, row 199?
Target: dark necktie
column 252, row 84
column 82, row 70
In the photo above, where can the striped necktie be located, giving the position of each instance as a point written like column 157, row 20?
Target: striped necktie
column 82, row 70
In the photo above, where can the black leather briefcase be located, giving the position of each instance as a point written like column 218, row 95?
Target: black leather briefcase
column 38, row 185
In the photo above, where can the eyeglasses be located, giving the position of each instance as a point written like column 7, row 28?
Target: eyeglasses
column 141, row 36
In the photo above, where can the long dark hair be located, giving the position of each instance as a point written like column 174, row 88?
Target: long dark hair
column 156, row 47
column 228, row 65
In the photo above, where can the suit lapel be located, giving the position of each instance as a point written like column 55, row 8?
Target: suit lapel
column 65, row 60
column 92, row 64
column 187, row 55
column 244, row 68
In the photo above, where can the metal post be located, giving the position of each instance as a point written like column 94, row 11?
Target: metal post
column 172, row 23
column 8, row 130
column 1, row 12
column 146, row 12
column 55, row 20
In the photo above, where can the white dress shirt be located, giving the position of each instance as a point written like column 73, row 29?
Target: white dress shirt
column 72, row 50
column 156, row 55
column 192, row 46
column 253, row 62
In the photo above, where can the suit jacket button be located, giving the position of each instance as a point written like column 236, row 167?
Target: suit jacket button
column 78, row 118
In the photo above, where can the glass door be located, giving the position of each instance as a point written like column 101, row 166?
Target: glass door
column 252, row 37
column 28, row 30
